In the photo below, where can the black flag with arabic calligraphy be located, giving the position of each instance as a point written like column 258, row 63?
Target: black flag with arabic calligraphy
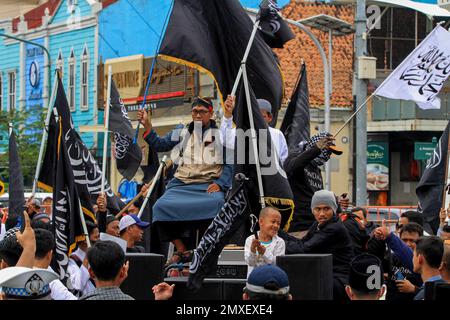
column 232, row 215
column 431, row 185
column 66, row 211
column 128, row 155
column 86, row 171
column 211, row 36
column 274, row 30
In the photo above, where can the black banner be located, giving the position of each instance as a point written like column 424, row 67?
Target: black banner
column 430, row 189
column 128, row 154
column 212, row 35
column 232, row 215
column 277, row 191
column 274, row 30
column 86, row 172
column 16, row 199
column 295, row 126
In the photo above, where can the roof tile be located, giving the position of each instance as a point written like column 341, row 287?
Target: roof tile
column 302, row 47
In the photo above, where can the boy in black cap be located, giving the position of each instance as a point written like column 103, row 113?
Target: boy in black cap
column 366, row 278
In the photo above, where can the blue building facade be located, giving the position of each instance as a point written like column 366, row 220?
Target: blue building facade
column 69, row 33
column 9, row 75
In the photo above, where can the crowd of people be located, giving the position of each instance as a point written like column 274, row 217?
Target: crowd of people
column 398, row 261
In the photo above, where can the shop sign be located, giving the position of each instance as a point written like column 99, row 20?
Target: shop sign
column 423, row 150
column 377, row 166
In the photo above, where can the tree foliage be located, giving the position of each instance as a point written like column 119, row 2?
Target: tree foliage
column 28, row 126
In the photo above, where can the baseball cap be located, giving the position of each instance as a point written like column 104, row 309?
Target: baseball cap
column 26, row 283
column 268, row 279
column 41, row 216
column 131, row 219
column 36, row 202
column 110, row 218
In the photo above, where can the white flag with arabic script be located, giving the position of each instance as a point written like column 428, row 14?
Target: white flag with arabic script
column 422, row 74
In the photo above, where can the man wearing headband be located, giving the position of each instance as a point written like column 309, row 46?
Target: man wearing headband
column 229, row 133
column 302, row 167
column 196, row 193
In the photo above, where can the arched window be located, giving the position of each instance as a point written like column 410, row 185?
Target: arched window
column 12, row 91
column 60, row 64
column 84, row 80
column 71, row 81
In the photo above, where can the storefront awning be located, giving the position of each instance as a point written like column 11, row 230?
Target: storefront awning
column 431, row 10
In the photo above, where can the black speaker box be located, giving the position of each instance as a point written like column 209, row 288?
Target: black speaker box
column 310, row 275
column 212, row 289
column 146, row 270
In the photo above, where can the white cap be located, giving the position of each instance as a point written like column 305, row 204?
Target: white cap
column 21, row 282
column 131, row 219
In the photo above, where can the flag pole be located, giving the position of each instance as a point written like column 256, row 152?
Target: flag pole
column 44, row 136
column 445, row 198
column 244, row 59
column 243, row 73
column 169, row 164
column 353, row 115
column 150, row 74
column 83, row 224
column 254, row 139
column 105, row 138
column 152, row 186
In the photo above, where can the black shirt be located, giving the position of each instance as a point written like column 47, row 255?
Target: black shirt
column 136, row 249
column 330, row 237
column 305, row 179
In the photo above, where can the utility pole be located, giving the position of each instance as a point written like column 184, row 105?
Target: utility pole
column 360, row 94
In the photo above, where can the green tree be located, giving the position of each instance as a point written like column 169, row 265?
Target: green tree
column 28, row 126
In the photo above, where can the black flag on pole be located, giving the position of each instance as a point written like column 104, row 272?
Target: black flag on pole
column 274, row 30
column 295, row 125
column 66, row 211
column 430, row 189
column 16, row 200
column 245, row 198
column 128, row 154
column 277, row 191
column 86, row 172
column 211, row 36
column 47, row 174
column 233, row 214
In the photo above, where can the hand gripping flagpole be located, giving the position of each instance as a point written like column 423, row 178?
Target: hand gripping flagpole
column 243, row 72
column 105, row 138
column 44, row 135
column 83, row 224
column 152, row 186
column 254, row 139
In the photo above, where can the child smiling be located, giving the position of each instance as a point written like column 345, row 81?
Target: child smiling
column 267, row 246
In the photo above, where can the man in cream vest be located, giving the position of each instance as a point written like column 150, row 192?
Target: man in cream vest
column 196, row 193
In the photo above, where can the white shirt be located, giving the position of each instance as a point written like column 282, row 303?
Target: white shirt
column 275, row 248
column 2, row 231
column 228, row 134
column 79, row 276
column 60, row 291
